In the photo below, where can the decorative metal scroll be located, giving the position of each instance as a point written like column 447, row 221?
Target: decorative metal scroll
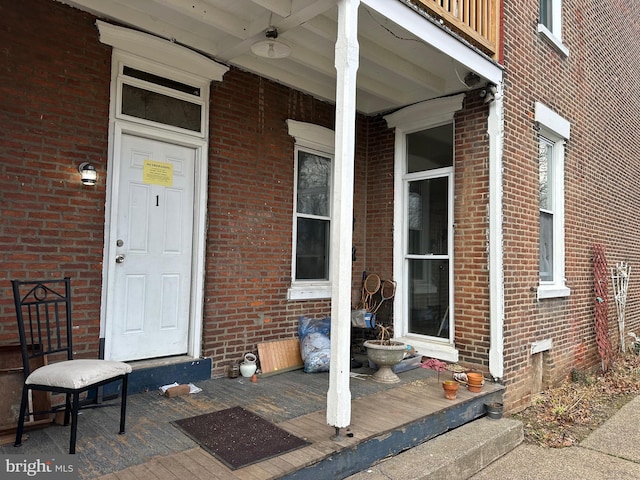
column 601, row 298
column 620, row 280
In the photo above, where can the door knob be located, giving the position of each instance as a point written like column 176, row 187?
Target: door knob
column 119, row 258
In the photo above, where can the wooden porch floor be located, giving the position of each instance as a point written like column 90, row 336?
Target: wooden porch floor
column 386, row 419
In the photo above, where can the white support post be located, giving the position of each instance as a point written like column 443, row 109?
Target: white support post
column 496, row 265
column 346, row 63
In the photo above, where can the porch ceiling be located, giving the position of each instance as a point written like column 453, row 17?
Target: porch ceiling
column 397, row 68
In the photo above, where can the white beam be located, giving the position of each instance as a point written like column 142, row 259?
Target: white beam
column 346, row 60
column 437, row 37
column 377, row 54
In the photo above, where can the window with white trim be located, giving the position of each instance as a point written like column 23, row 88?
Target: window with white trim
column 314, row 154
column 550, row 23
column 553, row 133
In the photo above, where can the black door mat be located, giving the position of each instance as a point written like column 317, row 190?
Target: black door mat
column 238, row 437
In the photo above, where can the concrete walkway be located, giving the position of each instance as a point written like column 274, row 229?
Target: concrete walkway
column 493, row 450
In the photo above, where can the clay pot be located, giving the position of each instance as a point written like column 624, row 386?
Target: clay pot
column 475, row 378
column 474, row 382
column 450, row 388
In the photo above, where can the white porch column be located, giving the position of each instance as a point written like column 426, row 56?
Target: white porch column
column 496, row 266
column 346, row 63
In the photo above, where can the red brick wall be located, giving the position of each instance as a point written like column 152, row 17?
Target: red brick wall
column 471, row 218
column 54, row 100
column 597, row 89
column 251, row 177
column 54, row 114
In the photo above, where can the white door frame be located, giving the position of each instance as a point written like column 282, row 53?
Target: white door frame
column 199, row 222
column 166, row 56
column 410, row 119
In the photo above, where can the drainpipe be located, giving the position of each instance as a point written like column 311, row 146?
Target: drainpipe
column 495, row 130
column 346, row 63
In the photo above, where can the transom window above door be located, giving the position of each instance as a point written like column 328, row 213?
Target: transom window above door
column 154, row 97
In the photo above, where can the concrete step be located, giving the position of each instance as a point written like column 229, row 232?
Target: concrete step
column 459, row 453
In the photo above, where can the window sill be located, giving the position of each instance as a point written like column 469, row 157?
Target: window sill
column 442, row 350
column 553, row 291
column 309, row 292
column 555, row 41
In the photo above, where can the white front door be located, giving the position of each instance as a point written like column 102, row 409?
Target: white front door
column 152, row 246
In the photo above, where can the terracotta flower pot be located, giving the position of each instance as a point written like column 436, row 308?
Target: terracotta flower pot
column 450, row 388
column 474, row 382
column 475, row 378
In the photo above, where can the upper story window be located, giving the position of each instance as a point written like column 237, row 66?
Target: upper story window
column 314, row 152
column 550, row 23
column 554, row 132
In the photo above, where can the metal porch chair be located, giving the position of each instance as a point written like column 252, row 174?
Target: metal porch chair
column 43, row 309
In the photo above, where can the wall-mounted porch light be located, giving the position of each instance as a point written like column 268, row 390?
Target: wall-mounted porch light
column 88, row 173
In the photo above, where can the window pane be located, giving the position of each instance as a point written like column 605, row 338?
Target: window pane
column 428, row 220
column 312, row 249
column 314, row 174
column 546, row 247
column 545, row 13
column 429, row 149
column 165, row 82
column 545, row 156
column 156, row 107
column 429, row 297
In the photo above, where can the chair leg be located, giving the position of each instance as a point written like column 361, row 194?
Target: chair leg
column 23, row 412
column 75, row 405
column 123, row 403
column 67, row 409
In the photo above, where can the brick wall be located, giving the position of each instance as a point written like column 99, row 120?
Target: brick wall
column 54, row 100
column 251, row 178
column 597, row 89
column 471, row 218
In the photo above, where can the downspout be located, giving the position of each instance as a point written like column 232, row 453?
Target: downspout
column 495, row 130
column 346, row 63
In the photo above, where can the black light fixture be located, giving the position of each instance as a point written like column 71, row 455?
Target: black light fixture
column 88, row 173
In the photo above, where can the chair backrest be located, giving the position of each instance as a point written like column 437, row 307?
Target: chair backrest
column 43, row 309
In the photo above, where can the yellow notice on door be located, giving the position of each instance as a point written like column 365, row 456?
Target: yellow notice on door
column 157, row 173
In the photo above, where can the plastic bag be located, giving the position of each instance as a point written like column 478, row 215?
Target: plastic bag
column 315, row 343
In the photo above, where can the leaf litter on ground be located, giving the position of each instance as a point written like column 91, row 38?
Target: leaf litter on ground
column 565, row 415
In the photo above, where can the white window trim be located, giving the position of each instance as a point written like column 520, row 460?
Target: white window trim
column 556, row 129
column 554, row 35
column 322, row 140
column 407, row 120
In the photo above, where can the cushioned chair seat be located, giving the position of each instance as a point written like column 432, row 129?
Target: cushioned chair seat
column 77, row 374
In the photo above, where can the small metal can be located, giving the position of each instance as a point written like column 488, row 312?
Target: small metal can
column 234, row 370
